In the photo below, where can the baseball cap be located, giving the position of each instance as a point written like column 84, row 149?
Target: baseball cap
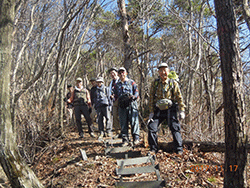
column 99, row 79
column 121, row 69
column 163, row 65
column 79, row 79
column 113, row 69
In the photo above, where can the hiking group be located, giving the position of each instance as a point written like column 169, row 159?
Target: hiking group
column 117, row 105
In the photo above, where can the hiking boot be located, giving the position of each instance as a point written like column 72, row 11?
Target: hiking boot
column 179, row 152
column 92, row 135
column 101, row 135
column 136, row 142
column 125, row 141
column 109, row 134
column 81, row 135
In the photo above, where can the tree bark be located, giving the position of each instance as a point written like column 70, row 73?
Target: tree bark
column 234, row 107
column 18, row 173
column 127, row 50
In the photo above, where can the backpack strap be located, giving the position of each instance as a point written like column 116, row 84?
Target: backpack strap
column 171, row 86
column 156, row 84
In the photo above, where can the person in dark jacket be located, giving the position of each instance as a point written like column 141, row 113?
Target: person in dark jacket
column 93, row 89
column 70, row 106
column 93, row 113
column 68, row 95
column 81, row 101
column 103, row 107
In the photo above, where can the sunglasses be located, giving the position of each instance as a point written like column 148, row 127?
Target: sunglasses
column 120, row 72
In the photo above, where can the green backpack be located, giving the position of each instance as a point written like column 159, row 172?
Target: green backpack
column 173, row 75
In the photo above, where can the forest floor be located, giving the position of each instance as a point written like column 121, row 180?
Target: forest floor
column 60, row 165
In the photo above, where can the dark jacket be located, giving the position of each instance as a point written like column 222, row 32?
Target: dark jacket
column 101, row 96
column 92, row 94
column 69, row 105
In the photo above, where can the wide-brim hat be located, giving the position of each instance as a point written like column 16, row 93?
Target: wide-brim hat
column 99, row 79
column 121, row 69
column 79, row 79
column 92, row 79
column 163, row 65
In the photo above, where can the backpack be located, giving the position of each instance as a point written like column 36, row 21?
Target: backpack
column 125, row 100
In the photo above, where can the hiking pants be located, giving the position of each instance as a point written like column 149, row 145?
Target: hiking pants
column 83, row 109
column 126, row 115
column 116, row 122
column 159, row 116
column 104, row 112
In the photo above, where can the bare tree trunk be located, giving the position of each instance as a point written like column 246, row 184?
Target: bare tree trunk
column 234, row 107
column 18, row 173
column 189, row 94
column 126, row 38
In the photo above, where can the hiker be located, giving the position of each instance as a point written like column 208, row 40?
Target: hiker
column 113, row 72
column 93, row 113
column 125, row 91
column 102, row 105
column 164, row 102
column 69, row 106
column 81, row 100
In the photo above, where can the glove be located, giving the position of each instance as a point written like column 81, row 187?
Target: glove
column 182, row 115
column 150, row 118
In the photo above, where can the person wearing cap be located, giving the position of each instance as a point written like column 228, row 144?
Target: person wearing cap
column 113, row 72
column 93, row 88
column 68, row 95
column 102, row 105
column 81, row 100
column 164, row 102
column 128, row 109
column 92, row 91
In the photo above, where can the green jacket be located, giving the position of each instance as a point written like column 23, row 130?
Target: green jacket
column 169, row 89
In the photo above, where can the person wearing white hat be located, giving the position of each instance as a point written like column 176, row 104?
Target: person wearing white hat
column 103, row 106
column 164, row 102
column 81, row 100
column 126, row 92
